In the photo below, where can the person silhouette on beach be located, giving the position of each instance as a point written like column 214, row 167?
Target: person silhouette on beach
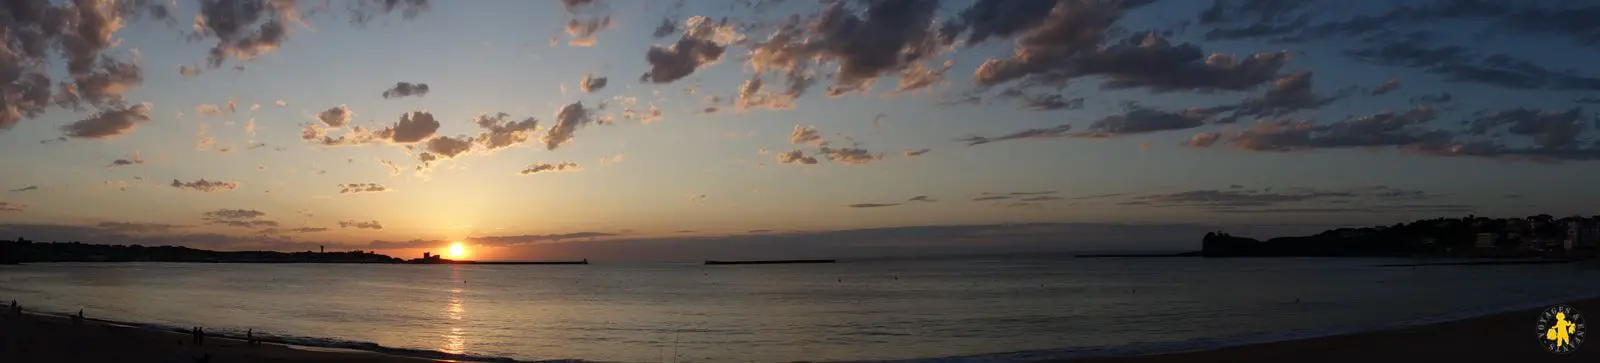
column 1561, row 332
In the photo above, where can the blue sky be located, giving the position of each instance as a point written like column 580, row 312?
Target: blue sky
column 692, row 175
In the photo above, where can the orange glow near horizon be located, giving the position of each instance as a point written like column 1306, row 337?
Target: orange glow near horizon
column 456, row 250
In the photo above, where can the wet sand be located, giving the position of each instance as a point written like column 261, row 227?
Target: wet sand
column 1505, row 337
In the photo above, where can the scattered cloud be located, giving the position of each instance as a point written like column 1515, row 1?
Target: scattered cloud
column 336, row 117
column 849, row 155
column 401, row 89
column 108, row 123
column 358, row 188
column 591, row 84
column 205, row 185
column 702, row 43
column 360, row 225
column 873, row 205
column 796, row 156
column 242, row 218
column 500, row 132
column 540, row 167
column 917, row 152
column 25, row 189
column 568, row 120
column 130, row 160
column 806, row 135
column 12, row 207
column 1387, row 86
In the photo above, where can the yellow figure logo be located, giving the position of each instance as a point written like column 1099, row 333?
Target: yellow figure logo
column 1561, row 333
column 1561, row 329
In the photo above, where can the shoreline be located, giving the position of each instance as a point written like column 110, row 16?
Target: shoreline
column 1491, row 335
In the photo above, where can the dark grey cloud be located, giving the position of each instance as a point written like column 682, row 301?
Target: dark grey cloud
column 1049, row 41
column 1046, row 133
column 403, row 89
column 1460, row 64
column 583, row 30
column 921, row 198
column 444, row 147
column 245, row 29
column 1376, row 130
column 873, row 205
column 702, row 43
column 1051, row 102
column 889, row 36
column 590, row 83
column 540, row 167
column 1140, row 120
column 362, row 188
column 206, row 185
column 363, row 11
column 108, row 123
column 337, row 116
column 412, row 127
column 1238, row 200
column 81, row 33
column 568, row 120
column 360, row 224
column 998, row 18
column 25, row 189
column 917, row 152
column 1547, row 129
column 666, row 28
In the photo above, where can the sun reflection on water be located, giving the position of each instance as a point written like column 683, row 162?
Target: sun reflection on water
column 455, row 341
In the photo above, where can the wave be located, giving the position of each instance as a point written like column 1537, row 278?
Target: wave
column 1204, row 344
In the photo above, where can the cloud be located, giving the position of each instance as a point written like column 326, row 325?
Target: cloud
column 1204, row 139
column 806, row 135
column 873, row 205
column 667, row 27
column 1046, row 133
column 540, row 167
column 445, row 147
column 1387, row 86
column 242, row 218
column 495, row 241
column 131, row 160
column 590, row 83
column 796, row 156
column 188, row 71
column 394, row 170
column 360, row 225
column 363, row 11
column 1238, row 200
column 358, row 188
column 403, row 89
column 25, row 189
column 412, row 127
column 702, row 43
column 205, row 185
column 849, row 155
column 917, row 152
column 568, row 120
column 1460, row 64
column 108, row 123
column 12, row 207
column 336, row 116
column 891, row 37
column 582, row 31
column 1140, row 120
column 499, row 132
column 281, row 103
column 80, row 33
column 243, row 31
column 1051, row 102
column 921, row 198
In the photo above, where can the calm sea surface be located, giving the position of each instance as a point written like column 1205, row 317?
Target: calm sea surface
column 847, row 311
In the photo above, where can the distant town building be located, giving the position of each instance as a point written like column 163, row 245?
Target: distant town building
column 1486, row 240
column 1581, row 234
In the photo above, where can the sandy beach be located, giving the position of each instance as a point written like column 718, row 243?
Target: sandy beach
column 1505, row 337
column 41, row 338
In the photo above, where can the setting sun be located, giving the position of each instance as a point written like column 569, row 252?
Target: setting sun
column 457, row 250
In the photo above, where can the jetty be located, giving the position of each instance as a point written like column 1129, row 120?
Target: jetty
column 766, row 262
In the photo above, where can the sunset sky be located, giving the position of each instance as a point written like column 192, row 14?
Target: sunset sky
column 878, row 127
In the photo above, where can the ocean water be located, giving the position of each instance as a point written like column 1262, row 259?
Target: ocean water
column 952, row 309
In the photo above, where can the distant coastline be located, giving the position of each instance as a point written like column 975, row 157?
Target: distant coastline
column 25, row 251
column 1540, row 236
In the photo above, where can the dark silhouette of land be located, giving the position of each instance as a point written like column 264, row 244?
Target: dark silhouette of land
column 1540, row 236
column 25, row 251
column 766, row 262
